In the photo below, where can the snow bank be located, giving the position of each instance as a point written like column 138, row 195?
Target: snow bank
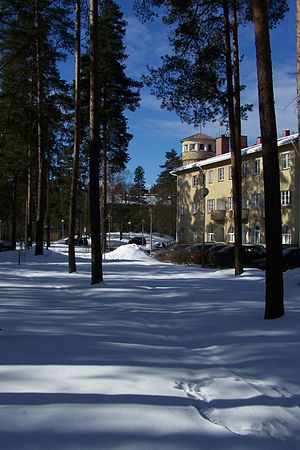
column 129, row 252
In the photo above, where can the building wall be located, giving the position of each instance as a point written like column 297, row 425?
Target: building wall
column 218, row 204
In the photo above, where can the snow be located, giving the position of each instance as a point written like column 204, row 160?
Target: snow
column 157, row 357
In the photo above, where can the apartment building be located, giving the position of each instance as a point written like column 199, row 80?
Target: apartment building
column 204, row 185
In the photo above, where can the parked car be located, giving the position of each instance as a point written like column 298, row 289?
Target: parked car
column 290, row 259
column 209, row 257
column 138, row 240
column 174, row 253
column 198, row 252
column 250, row 253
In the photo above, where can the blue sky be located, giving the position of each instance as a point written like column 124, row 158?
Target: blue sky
column 156, row 130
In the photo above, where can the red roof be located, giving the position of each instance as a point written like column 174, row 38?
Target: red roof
column 197, row 136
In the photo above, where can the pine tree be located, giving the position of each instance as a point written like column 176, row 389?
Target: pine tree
column 274, row 306
column 139, row 185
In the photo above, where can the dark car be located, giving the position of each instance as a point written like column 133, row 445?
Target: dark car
column 250, row 255
column 290, row 259
column 138, row 240
column 198, row 252
column 209, row 257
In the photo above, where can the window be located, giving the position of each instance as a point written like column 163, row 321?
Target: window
column 256, row 167
column 286, row 198
column 202, row 178
column 210, row 176
column 230, row 173
column 192, row 147
column 181, row 234
column 231, row 234
column 209, row 147
column 286, row 160
column 286, row 235
column 230, row 203
column 245, row 202
column 194, row 208
column 185, row 148
column 221, row 174
column 244, row 169
column 194, row 234
column 210, row 234
column 201, row 146
column 256, row 235
column 256, row 200
column 195, row 181
column 181, row 183
column 221, row 204
column 181, row 209
column 210, row 205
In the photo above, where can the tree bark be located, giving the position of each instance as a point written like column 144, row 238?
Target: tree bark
column 235, row 142
column 74, row 182
column 40, row 214
column 274, row 305
column 94, row 148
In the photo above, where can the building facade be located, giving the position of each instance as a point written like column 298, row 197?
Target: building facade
column 204, row 186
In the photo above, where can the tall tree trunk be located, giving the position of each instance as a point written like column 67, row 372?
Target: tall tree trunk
column 28, row 211
column 48, row 219
column 298, row 67
column 274, row 306
column 94, row 148
column 14, row 213
column 74, row 182
column 40, row 214
column 235, row 149
column 104, row 212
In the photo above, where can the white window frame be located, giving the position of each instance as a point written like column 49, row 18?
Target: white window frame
column 181, row 209
column 192, row 147
column 230, row 172
column 286, row 235
column 256, row 200
column 221, row 205
column 231, row 236
column 195, row 180
column 210, row 205
column 286, row 160
column 181, row 234
column 194, row 234
column 230, row 203
column 194, row 208
column 210, row 176
column 256, row 167
column 286, row 198
column 244, row 169
column 221, row 174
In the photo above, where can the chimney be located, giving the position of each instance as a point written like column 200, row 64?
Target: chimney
column 286, row 133
column 222, row 144
column 258, row 140
column 244, row 141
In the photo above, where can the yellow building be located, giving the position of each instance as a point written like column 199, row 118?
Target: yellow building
column 205, row 176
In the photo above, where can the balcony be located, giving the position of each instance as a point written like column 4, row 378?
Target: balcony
column 217, row 215
column 245, row 214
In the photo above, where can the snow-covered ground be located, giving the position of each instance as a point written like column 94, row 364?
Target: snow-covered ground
column 157, row 357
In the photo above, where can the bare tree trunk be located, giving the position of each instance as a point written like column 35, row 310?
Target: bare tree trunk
column 14, row 213
column 94, row 148
column 235, row 148
column 274, row 306
column 74, row 182
column 40, row 214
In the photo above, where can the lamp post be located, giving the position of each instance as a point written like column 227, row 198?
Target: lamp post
column 151, row 223
column 203, row 192
column 129, row 223
column 143, row 221
column 62, row 228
